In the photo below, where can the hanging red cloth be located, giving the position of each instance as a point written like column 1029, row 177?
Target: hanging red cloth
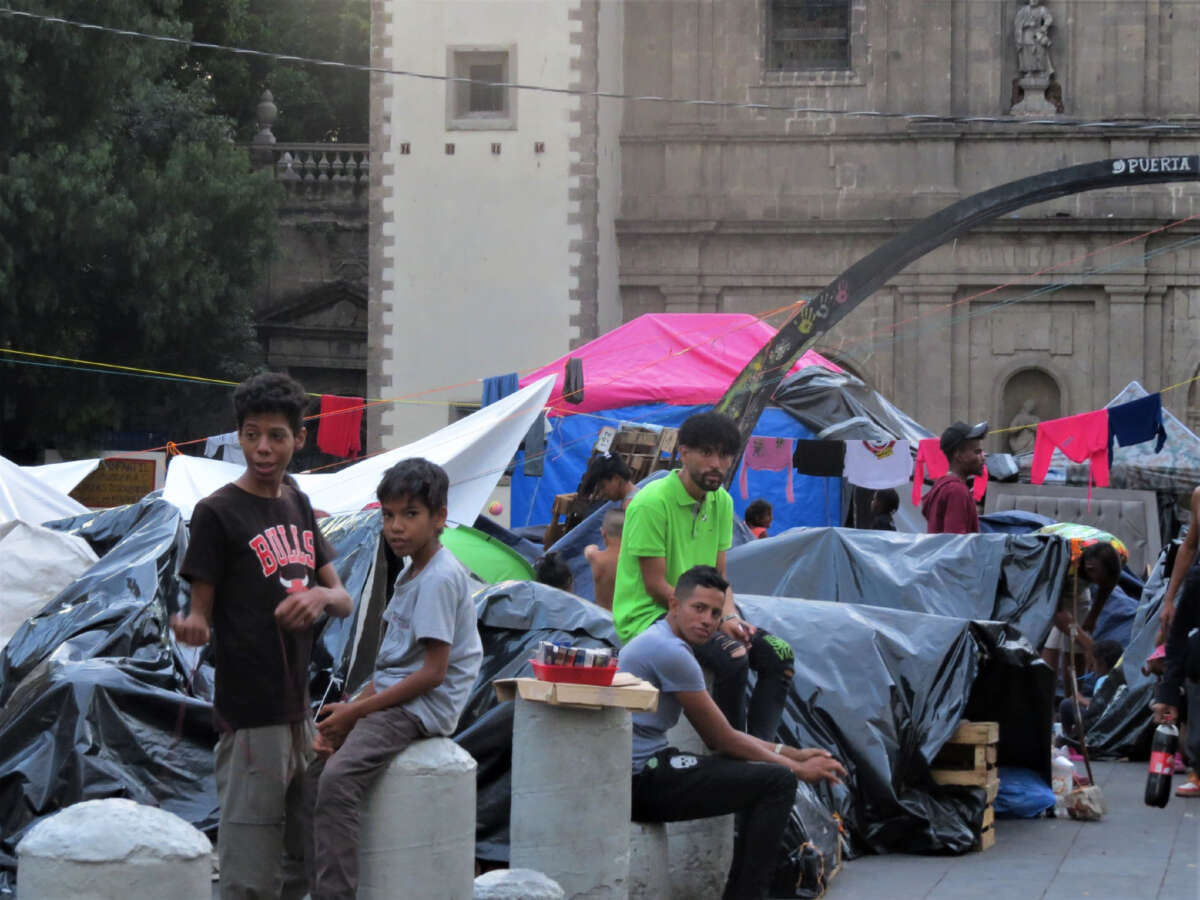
column 931, row 459
column 1081, row 438
column 340, row 425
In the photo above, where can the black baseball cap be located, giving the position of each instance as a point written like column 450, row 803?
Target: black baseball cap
column 959, row 433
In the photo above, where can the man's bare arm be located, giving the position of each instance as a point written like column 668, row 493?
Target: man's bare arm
column 654, row 576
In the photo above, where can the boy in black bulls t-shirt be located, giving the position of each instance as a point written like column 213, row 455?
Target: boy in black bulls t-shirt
column 261, row 575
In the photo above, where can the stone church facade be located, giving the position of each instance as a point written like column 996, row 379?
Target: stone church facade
column 748, row 210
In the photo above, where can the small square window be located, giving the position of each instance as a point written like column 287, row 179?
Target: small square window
column 477, row 102
column 809, row 34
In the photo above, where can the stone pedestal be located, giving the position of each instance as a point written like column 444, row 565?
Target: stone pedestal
column 571, row 796
column 115, row 850
column 649, row 871
column 1034, row 104
column 418, row 825
column 700, row 851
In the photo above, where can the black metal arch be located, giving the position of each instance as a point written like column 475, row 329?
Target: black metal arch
column 752, row 389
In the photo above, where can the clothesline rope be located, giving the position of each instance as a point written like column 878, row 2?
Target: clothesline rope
column 1058, row 122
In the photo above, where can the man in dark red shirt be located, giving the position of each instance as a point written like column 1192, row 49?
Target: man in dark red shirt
column 949, row 507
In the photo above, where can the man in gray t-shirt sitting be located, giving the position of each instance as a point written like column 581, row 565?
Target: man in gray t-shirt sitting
column 670, row 786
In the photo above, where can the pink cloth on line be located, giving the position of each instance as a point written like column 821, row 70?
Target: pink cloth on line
column 931, row 458
column 768, row 454
column 1081, row 438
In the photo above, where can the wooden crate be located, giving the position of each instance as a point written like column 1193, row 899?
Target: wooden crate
column 969, row 759
column 646, row 450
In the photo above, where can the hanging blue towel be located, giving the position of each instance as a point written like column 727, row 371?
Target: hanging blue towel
column 498, row 387
column 1136, row 421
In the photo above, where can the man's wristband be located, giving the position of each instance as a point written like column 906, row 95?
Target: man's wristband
column 779, row 747
column 725, row 619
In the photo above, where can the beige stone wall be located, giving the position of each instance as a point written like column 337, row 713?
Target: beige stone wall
column 742, row 210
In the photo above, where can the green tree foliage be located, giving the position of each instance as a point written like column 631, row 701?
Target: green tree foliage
column 316, row 103
column 132, row 229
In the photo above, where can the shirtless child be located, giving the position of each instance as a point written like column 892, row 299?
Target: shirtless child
column 604, row 562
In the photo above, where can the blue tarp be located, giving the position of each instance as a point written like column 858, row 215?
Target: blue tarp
column 818, row 500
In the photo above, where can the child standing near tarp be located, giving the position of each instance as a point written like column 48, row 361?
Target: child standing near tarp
column 604, row 561
column 261, row 575
column 427, row 663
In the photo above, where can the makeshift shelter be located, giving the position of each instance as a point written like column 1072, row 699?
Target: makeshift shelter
column 27, row 498
column 657, row 370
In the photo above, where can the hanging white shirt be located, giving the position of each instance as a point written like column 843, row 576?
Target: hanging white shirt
column 878, row 464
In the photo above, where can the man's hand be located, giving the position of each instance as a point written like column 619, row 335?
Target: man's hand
column 1165, row 713
column 335, row 722
column 322, row 747
column 819, row 768
column 1063, row 621
column 192, row 631
column 1166, row 615
column 300, row 609
column 739, row 629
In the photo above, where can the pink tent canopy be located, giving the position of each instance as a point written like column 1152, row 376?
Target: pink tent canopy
column 683, row 359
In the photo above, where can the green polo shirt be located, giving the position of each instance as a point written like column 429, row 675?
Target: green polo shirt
column 663, row 520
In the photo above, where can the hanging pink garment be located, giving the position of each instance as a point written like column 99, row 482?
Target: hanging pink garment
column 768, row 454
column 931, row 459
column 1081, row 438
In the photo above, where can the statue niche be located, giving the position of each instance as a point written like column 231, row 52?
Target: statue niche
column 1035, row 90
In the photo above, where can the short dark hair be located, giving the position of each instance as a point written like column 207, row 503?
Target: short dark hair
column 757, row 513
column 711, row 431
column 601, row 468
column 888, row 499
column 697, row 577
column 270, row 392
column 553, row 570
column 415, row 479
column 1108, row 651
column 1105, row 554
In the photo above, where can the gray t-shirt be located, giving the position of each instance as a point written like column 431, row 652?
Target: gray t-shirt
column 436, row 604
column 667, row 662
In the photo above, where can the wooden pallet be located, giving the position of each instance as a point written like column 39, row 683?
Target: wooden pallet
column 570, row 510
column 969, row 760
column 646, row 450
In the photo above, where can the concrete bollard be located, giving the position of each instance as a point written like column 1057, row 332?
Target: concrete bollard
column 649, row 873
column 700, row 851
column 115, row 849
column 516, row 884
column 418, row 825
column 571, row 799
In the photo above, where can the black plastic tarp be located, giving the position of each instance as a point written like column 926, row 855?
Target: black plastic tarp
column 984, row 577
column 822, row 399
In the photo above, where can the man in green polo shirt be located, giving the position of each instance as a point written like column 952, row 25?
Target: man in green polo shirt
column 686, row 520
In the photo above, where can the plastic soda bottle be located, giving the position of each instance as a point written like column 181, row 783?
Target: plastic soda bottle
column 1162, row 765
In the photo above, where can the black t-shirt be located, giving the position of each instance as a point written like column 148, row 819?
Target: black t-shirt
column 254, row 550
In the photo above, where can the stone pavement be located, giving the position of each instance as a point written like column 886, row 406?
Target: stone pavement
column 1136, row 852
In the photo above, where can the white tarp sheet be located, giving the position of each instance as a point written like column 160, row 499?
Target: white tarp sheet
column 29, row 499
column 63, row 476
column 474, row 452
column 35, row 565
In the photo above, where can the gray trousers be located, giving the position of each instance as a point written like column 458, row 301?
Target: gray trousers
column 261, row 790
column 338, row 784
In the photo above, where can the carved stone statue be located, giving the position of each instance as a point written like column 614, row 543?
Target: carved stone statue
column 1034, row 86
column 1022, row 440
column 1031, row 28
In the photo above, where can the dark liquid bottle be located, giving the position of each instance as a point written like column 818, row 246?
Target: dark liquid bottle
column 1162, row 765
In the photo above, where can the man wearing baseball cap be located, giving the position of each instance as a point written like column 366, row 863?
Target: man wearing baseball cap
column 949, row 507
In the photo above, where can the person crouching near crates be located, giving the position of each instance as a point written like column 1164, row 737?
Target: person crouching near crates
column 747, row 776
column 427, row 662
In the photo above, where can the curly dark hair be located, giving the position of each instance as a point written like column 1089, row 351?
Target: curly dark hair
column 600, row 468
column 271, row 392
column 711, row 431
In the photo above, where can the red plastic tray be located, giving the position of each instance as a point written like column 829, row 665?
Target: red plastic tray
column 575, row 674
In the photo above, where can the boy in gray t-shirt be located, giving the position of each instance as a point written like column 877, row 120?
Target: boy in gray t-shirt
column 748, row 776
column 427, row 663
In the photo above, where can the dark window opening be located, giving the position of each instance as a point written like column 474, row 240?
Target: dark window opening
column 809, row 34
